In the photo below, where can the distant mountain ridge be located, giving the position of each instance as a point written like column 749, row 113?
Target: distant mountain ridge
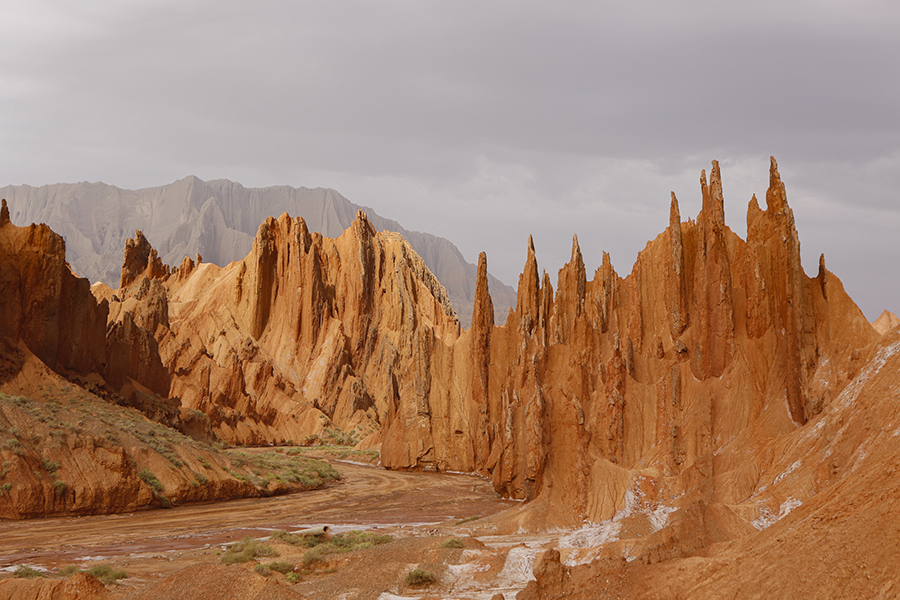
column 217, row 219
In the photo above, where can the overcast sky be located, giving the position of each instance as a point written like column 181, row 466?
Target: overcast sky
column 482, row 122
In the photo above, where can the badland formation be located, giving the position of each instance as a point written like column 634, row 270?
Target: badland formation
column 730, row 419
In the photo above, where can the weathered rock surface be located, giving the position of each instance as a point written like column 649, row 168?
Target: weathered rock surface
column 828, row 527
column 676, row 374
column 218, row 220
column 885, row 322
column 52, row 312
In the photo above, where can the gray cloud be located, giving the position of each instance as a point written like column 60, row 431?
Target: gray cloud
column 481, row 122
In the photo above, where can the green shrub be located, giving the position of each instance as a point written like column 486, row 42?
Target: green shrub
column 293, row 577
column 246, row 550
column 282, row 567
column 201, row 478
column 26, row 572
column 151, row 480
column 106, row 573
column 51, row 466
column 301, row 541
column 420, row 577
column 453, row 543
column 59, row 488
column 68, row 570
column 262, row 570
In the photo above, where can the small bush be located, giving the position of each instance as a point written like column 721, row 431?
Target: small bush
column 106, row 573
column 262, row 570
column 51, row 466
column 4, row 489
column 26, row 572
column 201, row 478
column 282, row 567
column 246, row 550
column 420, row 577
column 68, row 570
column 59, row 488
column 453, row 543
column 151, row 480
column 293, row 577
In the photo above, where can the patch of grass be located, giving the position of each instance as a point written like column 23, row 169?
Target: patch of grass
column 338, row 452
column 453, row 543
column 301, row 541
column 340, row 544
column 420, row 578
column 205, row 463
column 246, row 550
column 51, row 466
column 151, row 480
column 282, row 567
column 4, row 489
column 294, row 577
column 309, row 473
column 106, row 573
column 26, row 572
column 201, row 478
column 68, row 570
column 262, row 570
column 468, row 519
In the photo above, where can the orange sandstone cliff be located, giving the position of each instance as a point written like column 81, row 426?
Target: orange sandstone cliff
column 662, row 383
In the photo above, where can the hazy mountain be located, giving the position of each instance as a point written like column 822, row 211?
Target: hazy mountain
column 218, row 220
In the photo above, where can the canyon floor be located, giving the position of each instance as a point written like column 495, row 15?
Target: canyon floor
column 420, row 511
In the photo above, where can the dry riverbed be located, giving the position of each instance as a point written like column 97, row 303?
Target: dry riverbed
column 420, row 512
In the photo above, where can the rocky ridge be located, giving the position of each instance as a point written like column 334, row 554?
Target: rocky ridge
column 218, row 220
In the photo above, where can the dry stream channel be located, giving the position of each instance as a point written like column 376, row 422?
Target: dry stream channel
column 419, row 510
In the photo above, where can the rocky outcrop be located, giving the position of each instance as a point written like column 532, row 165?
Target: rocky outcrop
column 709, row 343
column 885, row 322
column 304, row 338
column 53, row 313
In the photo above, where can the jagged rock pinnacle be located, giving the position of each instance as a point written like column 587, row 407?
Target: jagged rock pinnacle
column 4, row 214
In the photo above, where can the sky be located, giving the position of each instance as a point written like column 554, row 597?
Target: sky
column 482, row 122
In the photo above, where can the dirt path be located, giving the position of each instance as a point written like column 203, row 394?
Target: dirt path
column 155, row 543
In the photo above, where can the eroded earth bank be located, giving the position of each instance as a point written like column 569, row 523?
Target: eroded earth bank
column 714, row 424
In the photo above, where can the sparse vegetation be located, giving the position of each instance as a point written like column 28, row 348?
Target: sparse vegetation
column 51, row 466
column 420, row 578
column 282, row 567
column 320, row 547
column 468, row 519
column 453, row 543
column 262, row 570
column 59, row 488
column 308, row 472
column 26, row 572
column 106, row 573
column 338, row 452
column 246, row 550
column 150, row 479
column 4, row 489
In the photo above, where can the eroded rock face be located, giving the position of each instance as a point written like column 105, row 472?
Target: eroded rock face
column 306, row 337
column 885, row 322
column 709, row 342
column 50, row 310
